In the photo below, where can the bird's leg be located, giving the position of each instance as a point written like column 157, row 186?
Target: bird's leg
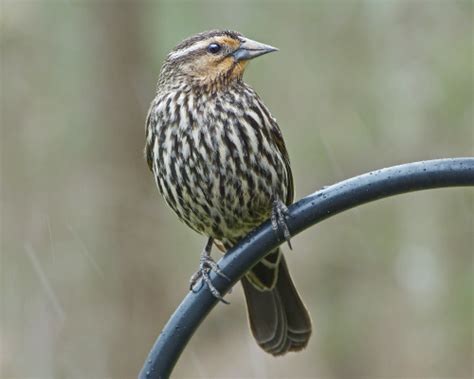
column 206, row 265
column 279, row 216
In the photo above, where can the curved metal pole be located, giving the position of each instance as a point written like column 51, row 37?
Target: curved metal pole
column 303, row 214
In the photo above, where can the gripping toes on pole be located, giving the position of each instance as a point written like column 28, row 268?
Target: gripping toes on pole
column 278, row 219
column 206, row 265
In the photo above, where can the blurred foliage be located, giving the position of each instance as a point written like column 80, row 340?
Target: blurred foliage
column 93, row 262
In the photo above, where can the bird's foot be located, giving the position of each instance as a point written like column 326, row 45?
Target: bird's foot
column 279, row 216
column 206, row 266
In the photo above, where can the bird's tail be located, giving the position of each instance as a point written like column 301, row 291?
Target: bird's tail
column 278, row 318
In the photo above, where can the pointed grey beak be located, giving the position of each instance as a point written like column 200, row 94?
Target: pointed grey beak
column 250, row 49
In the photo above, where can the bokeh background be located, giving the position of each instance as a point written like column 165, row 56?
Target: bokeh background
column 93, row 262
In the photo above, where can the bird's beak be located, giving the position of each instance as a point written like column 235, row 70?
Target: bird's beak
column 250, row 49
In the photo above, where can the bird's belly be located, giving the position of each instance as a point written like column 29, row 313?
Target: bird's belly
column 216, row 190
column 227, row 210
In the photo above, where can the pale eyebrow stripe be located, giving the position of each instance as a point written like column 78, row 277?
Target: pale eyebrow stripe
column 196, row 46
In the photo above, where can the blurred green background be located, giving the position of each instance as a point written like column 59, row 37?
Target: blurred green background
column 93, row 262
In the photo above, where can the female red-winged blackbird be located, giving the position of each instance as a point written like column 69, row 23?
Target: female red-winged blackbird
column 220, row 162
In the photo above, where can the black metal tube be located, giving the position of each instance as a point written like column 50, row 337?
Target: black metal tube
column 310, row 210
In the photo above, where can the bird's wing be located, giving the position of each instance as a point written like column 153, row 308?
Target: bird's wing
column 150, row 138
column 280, row 143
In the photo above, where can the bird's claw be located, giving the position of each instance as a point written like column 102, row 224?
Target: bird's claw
column 207, row 264
column 278, row 219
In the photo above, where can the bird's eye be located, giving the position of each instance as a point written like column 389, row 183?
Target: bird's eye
column 214, row 48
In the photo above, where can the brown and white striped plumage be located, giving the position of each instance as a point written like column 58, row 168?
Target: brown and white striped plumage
column 219, row 160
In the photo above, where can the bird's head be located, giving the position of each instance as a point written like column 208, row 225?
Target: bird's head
column 212, row 58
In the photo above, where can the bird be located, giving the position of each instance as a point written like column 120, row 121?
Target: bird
column 220, row 162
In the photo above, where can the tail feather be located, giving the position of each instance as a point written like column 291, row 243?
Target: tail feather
column 278, row 318
column 298, row 319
